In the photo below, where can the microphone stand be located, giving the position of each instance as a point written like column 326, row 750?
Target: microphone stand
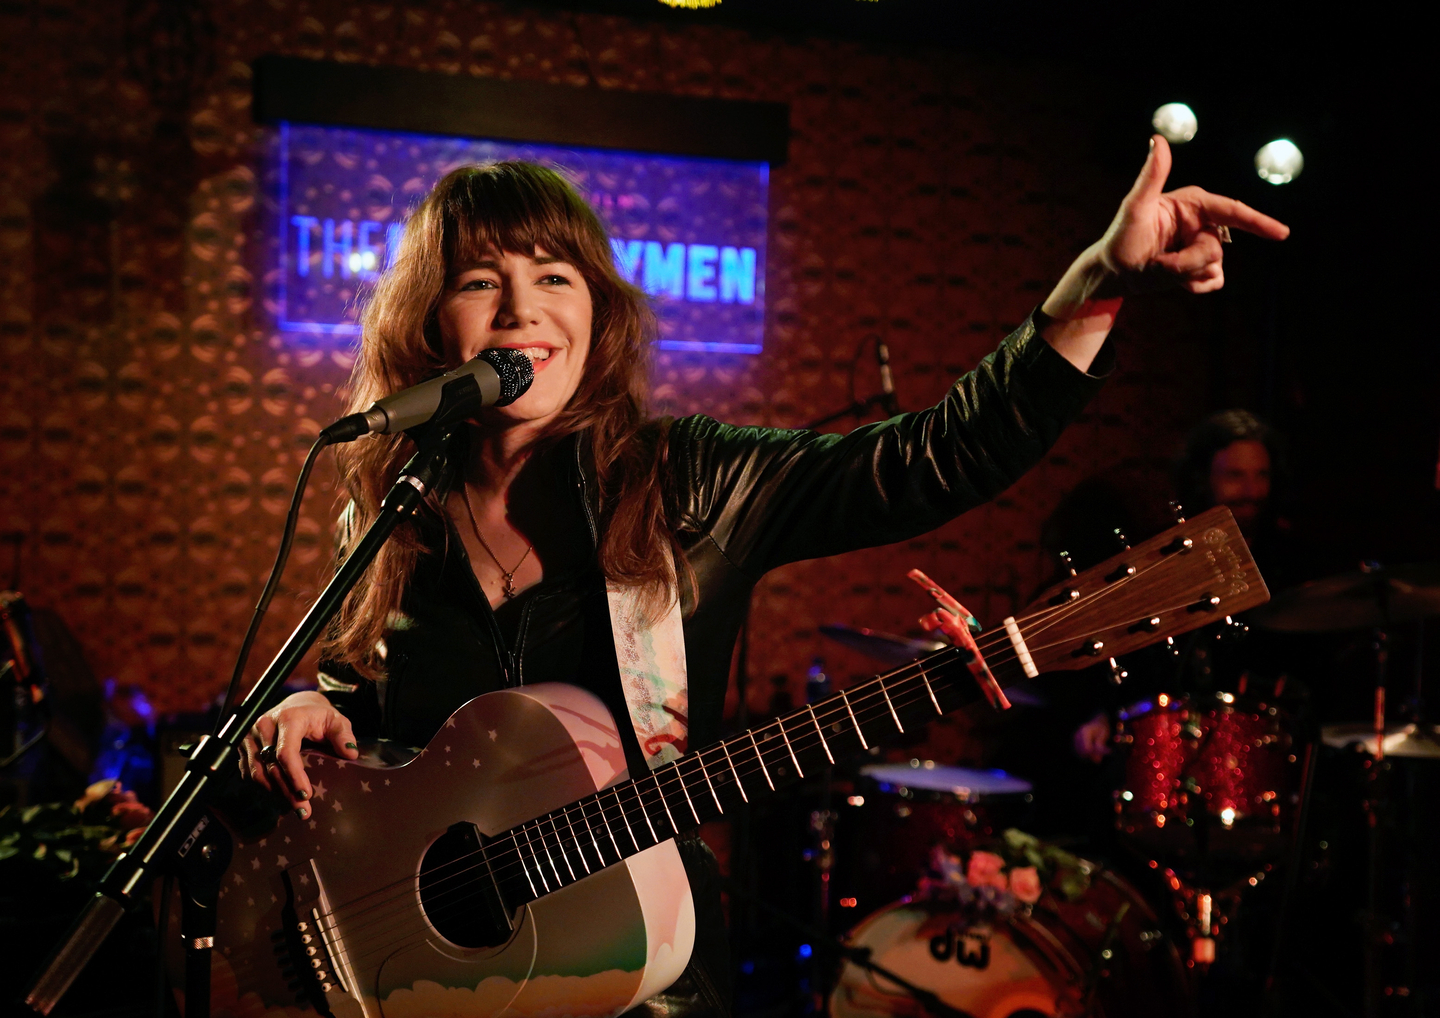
column 182, row 825
column 884, row 399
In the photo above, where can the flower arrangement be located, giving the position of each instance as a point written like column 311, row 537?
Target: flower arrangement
column 1009, row 875
column 78, row 839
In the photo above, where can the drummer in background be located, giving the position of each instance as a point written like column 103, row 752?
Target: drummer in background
column 1234, row 459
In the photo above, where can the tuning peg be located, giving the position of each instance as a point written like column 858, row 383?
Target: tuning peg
column 1170, row 646
column 1177, row 511
column 1065, row 561
column 1117, row 674
column 1124, row 541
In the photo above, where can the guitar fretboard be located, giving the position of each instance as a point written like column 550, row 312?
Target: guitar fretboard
column 558, row 848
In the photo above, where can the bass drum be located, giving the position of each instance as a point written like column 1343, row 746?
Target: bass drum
column 1104, row 955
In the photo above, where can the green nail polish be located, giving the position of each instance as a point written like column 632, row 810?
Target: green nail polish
column 303, row 794
column 301, row 812
column 351, row 745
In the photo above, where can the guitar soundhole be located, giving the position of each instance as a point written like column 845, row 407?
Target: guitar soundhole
column 456, row 891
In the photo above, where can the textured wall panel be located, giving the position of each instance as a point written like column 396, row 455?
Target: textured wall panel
column 152, row 420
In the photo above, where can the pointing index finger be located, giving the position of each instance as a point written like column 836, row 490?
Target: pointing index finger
column 1218, row 210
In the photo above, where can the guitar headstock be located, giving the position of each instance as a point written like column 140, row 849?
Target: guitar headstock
column 1195, row 573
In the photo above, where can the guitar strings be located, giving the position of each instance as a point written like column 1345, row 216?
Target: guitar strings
column 571, row 844
column 449, row 903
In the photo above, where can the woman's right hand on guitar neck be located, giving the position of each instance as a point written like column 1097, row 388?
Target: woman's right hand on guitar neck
column 270, row 754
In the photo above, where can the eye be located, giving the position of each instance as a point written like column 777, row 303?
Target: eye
column 478, row 284
column 555, row 280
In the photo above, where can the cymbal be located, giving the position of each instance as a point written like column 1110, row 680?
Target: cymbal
column 1403, row 741
column 887, row 648
column 1358, row 600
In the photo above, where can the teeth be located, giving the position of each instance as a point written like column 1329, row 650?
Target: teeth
column 537, row 353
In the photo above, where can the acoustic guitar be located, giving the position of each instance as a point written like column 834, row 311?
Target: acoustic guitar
column 513, row 867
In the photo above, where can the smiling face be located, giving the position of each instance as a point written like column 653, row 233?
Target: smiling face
column 531, row 302
column 1240, row 479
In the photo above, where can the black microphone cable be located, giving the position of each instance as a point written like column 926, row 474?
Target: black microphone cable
column 287, row 538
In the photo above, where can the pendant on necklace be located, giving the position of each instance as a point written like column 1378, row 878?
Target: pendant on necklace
column 509, row 590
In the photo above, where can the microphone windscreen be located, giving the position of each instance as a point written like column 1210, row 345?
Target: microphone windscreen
column 515, row 370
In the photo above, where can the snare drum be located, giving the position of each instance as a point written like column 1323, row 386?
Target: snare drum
column 1102, row 955
column 899, row 812
column 1206, row 778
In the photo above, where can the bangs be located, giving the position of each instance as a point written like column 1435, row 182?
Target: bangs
column 517, row 207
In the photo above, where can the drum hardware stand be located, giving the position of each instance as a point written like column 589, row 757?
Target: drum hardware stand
column 1293, row 864
column 1204, row 912
column 1376, row 803
column 1103, row 954
column 859, row 956
column 177, row 826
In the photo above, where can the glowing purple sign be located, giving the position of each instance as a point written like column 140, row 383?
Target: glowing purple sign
column 690, row 232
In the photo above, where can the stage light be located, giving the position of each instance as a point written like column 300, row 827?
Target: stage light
column 1175, row 122
column 1279, row 162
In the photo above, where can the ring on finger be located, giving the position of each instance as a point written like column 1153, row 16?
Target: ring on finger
column 266, row 755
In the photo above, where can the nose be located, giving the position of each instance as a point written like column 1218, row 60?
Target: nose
column 1257, row 487
column 518, row 308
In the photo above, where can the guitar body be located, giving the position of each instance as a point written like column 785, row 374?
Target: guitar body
column 596, row 947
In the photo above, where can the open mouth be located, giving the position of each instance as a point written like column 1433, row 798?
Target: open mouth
column 537, row 354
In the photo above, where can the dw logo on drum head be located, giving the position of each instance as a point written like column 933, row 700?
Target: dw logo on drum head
column 970, row 948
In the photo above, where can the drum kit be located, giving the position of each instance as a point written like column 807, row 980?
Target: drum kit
column 1211, row 792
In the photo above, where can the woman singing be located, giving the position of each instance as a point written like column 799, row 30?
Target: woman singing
column 576, row 521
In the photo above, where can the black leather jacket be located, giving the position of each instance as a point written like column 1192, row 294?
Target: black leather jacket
column 745, row 500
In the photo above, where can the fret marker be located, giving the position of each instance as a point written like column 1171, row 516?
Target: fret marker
column 655, row 777
column 561, row 844
column 895, row 717
column 853, row 721
column 1027, row 663
column 738, row 783
column 818, row 731
column 763, row 769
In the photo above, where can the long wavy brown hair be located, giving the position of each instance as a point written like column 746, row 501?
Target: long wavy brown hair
column 514, row 207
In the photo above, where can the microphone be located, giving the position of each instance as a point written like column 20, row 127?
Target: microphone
column 502, row 376
column 887, row 381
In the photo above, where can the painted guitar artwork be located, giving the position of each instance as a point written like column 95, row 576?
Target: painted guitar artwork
column 513, row 868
